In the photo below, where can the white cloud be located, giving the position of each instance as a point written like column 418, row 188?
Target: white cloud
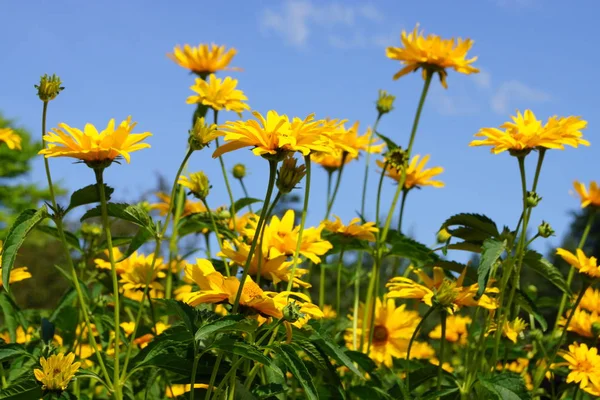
column 483, row 79
column 512, row 92
column 295, row 19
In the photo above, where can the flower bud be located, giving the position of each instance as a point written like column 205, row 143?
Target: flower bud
column 545, row 230
column 202, row 134
column 385, row 102
column 532, row 291
column 289, row 175
column 239, row 171
column 446, row 295
column 443, row 235
column 596, row 329
column 197, row 183
column 396, row 158
column 49, row 87
column 291, row 312
column 532, row 199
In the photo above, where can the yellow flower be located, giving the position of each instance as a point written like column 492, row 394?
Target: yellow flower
column 450, row 294
column 526, row 132
column 92, row 146
column 583, row 363
column 22, row 336
column 416, row 174
column 329, row 312
column 16, row 274
column 139, row 272
column 591, row 300
column 588, row 197
column 513, row 329
column 519, row 366
column 219, row 94
column 349, row 141
column 274, row 268
column 353, row 229
column 456, row 329
column 582, row 323
column 385, row 102
column 143, row 340
column 10, row 137
column 57, row 371
column 203, row 59
column 392, row 330
column 432, row 54
column 174, row 391
column 330, row 161
column 446, row 365
column 188, row 208
column 197, row 183
column 585, row 265
column 215, row 288
column 202, row 134
column 275, row 135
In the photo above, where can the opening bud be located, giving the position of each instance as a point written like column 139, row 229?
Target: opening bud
column 49, row 87
column 545, row 230
column 197, row 183
column 385, row 102
column 291, row 312
column 289, row 175
column 532, row 199
column 202, row 134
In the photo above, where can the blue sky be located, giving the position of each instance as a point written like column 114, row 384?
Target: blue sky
column 325, row 57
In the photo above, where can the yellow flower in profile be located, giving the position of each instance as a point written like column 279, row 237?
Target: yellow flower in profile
column 276, row 269
column 456, row 329
column 591, row 300
column 10, row 137
column 583, row 363
column 174, row 391
column 203, row 59
column 330, row 161
column 349, row 140
column 353, row 230
column 218, row 94
column 585, row 265
column 189, row 207
column 432, row 54
column 416, row 174
column 588, row 197
column 392, row 330
column 513, row 329
column 202, row 134
column 276, row 134
column 526, row 133
column 451, row 295
column 92, row 146
column 57, row 371
column 329, row 312
column 197, row 183
column 582, row 323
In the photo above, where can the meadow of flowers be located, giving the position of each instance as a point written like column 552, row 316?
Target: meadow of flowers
column 249, row 320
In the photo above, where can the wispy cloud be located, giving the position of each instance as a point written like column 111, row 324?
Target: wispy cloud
column 483, row 79
column 294, row 21
column 512, row 93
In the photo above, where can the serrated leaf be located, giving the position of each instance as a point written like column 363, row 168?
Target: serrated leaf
column 477, row 222
column 72, row 240
column 22, row 390
column 24, row 223
column 505, row 386
column 529, row 306
column 12, row 350
column 88, row 195
column 244, row 350
column 245, row 202
column 138, row 240
column 269, row 390
column 184, row 311
column 296, row 366
column 391, row 145
column 403, row 246
column 126, row 212
column 465, row 246
column 536, row 262
column 335, row 352
column 363, row 360
column 222, row 324
column 490, row 253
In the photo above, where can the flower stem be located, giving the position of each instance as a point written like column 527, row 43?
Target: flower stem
column 339, row 281
column 179, row 205
column 104, row 209
column 442, row 345
column 246, row 193
column 225, row 178
column 410, row 343
column 194, row 369
column 356, row 303
column 402, row 202
column 261, row 221
column 563, row 300
column 303, row 220
column 337, row 183
column 322, row 286
column 216, row 230
column 367, row 162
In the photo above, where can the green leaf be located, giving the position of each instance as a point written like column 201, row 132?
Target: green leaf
column 465, row 246
column 222, row 324
column 470, row 274
column 422, row 375
column 364, row 392
column 88, row 195
column 12, row 316
column 141, row 237
column 267, row 391
column 391, row 145
column 490, row 253
column 529, row 306
column 127, row 212
column 335, row 352
column 536, row 262
column 245, row 350
column 505, row 386
column 26, row 389
column 184, row 311
column 403, row 246
column 244, row 202
column 440, row 394
column 12, row 350
column 363, row 360
column 72, row 240
column 290, row 359
column 24, row 223
column 478, row 224
column 201, row 221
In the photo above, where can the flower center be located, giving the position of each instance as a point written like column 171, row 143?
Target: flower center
column 585, row 366
column 56, row 371
column 380, row 334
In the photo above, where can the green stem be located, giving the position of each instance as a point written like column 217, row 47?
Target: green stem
column 194, row 370
column 254, row 370
column 262, row 235
column 225, row 178
column 246, row 193
column 379, row 187
column 356, row 302
column 207, row 242
column 410, row 343
column 115, row 282
column 303, row 219
column 173, row 191
column 216, row 230
column 46, row 163
column 337, row 183
column 367, row 162
column 261, row 221
column 442, row 345
column 563, row 300
column 179, row 205
column 339, row 281
column 402, row 202
column 322, row 286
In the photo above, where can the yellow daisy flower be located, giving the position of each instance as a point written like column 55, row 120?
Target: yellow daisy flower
column 330, row 161
column 392, row 330
column 329, row 312
column 22, row 336
column 457, row 329
column 588, row 197
column 416, row 174
column 10, row 137
column 349, row 140
column 135, row 270
column 513, row 329
column 433, row 54
column 585, row 265
column 92, row 146
column 189, row 207
column 583, row 363
column 582, row 322
column 353, row 229
column 218, row 94
column 57, row 371
column 591, row 300
column 203, row 59
column 174, row 391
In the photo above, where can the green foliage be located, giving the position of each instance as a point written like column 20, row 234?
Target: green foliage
column 490, row 253
column 505, row 386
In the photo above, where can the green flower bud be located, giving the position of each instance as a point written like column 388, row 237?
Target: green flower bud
column 289, row 175
column 545, row 230
column 291, row 312
column 532, row 199
column 91, row 230
column 197, row 183
column 202, row 134
column 239, row 171
column 49, row 87
column 385, row 102
column 596, row 329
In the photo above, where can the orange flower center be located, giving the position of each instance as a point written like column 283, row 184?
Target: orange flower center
column 380, row 334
